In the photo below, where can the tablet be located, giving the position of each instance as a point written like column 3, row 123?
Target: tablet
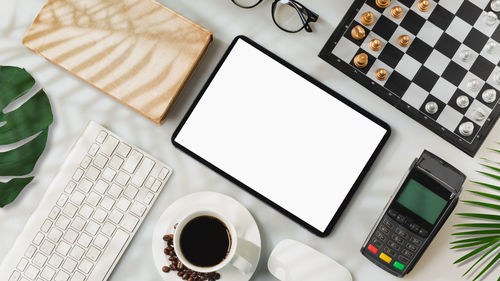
column 281, row 135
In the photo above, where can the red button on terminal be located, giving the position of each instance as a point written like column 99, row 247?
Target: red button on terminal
column 372, row 249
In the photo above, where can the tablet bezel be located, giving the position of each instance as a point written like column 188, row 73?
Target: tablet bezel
column 348, row 197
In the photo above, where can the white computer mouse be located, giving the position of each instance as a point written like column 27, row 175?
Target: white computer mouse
column 291, row 260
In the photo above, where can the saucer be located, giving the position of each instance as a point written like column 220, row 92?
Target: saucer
column 248, row 232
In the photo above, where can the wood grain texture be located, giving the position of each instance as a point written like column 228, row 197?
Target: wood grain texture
column 137, row 51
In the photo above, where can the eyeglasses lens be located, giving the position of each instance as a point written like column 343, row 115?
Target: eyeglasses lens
column 287, row 17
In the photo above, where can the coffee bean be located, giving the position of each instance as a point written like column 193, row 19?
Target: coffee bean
column 179, row 264
column 175, row 225
column 165, row 269
column 217, row 276
column 165, row 237
column 180, row 273
column 172, row 259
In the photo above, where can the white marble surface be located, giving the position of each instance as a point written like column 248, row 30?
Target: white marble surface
column 75, row 102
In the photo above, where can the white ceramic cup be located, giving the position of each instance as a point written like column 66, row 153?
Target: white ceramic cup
column 232, row 257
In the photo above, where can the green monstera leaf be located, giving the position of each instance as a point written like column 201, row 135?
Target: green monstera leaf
column 29, row 120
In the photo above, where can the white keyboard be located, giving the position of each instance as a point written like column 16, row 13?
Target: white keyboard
column 90, row 212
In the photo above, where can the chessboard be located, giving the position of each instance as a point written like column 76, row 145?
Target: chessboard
column 436, row 61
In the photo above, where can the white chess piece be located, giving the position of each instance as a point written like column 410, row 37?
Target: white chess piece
column 463, row 101
column 491, row 46
column 497, row 77
column 478, row 114
column 473, row 85
column 495, row 5
column 466, row 55
column 466, row 129
column 491, row 18
column 489, row 95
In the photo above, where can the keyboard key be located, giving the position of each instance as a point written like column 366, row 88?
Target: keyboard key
column 85, row 185
column 47, row 273
column 85, row 266
column 46, row 226
column 23, row 263
column 92, row 173
column 101, row 186
column 39, row 260
column 47, row 247
column 93, row 149
column 132, row 162
column 107, row 203
column 78, row 174
column 138, row 209
column 115, row 216
column 108, row 229
column 101, row 137
column 115, row 191
column 385, row 258
column 111, row 253
column 78, row 224
column 61, row 276
column 92, row 227
column 412, row 247
column 84, row 240
column 15, row 276
column 70, row 210
column 93, row 253
column 38, row 239
column 70, row 236
column 69, row 265
column 416, row 241
column 143, row 171
column 109, row 145
column 399, row 265
column 77, row 197
column 54, row 212
column 77, row 252
column 86, row 211
column 63, row 248
column 100, row 241
column 100, row 160
column 149, row 182
column 70, row 187
column 55, row 235
column 62, row 222
column 131, row 192
column 156, row 186
column 77, row 276
column 129, row 222
column 100, row 215
column 30, row 251
column 93, row 199
column 122, row 178
column 123, row 149
column 149, row 197
column 31, row 272
column 116, row 162
column 56, row 260
column 62, row 200
column 85, row 162
column 123, row 204
column 163, row 173
column 108, row 174
column 372, row 249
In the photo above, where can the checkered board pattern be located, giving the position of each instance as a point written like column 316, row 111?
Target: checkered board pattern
column 430, row 68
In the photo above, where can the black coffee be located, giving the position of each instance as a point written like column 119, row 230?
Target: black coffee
column 205, row 241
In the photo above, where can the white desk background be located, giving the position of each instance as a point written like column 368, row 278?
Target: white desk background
column 74, row 103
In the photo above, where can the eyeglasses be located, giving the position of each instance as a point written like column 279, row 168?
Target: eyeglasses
column 288, row 15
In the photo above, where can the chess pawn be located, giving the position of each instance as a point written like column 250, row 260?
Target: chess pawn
column 375, row 45
column 466, row 55
column 489, row 95
column 491, row 18
column 463, row 101
column 361, row 60
column 431, row 107
column 424, row 5
column 383, row 3
column 473, row 85
column 404, row 40
column 491, row 46
column 466, row 129
column 358, row 32
column 397, row 12
column 495, row 5
column 381, row 74
column 367, row 18
column 478, row 114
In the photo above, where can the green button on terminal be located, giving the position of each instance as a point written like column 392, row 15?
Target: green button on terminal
column 398, row 265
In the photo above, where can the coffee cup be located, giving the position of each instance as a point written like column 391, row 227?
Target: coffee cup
column 205, row 241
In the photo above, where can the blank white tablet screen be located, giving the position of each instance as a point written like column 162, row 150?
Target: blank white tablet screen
column 281, row 135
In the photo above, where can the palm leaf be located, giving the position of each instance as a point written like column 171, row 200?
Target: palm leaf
column 481, row 216
column 482, row 204
column 481, row 238
column 480, row 259
column 490, row 231
column 496, row 187
column 475, row 252
column 480, row 225
column 27, row 123
column 489, row 195
column 467, row 245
